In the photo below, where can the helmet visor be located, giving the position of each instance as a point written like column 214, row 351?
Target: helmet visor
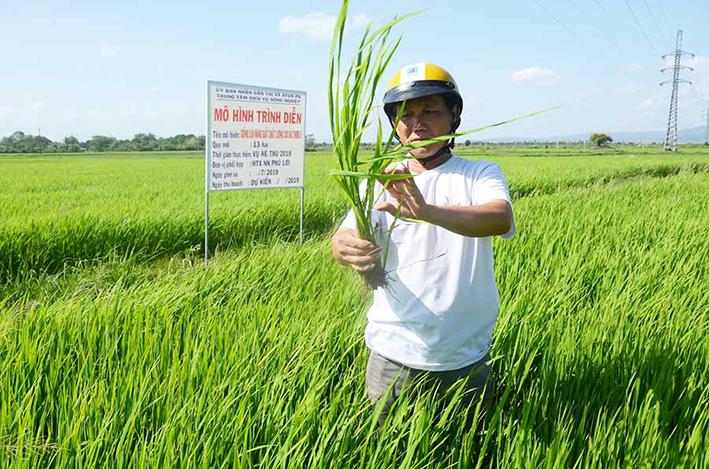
column 417, row 89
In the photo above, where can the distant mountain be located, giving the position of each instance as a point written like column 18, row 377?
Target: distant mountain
column 691, row 135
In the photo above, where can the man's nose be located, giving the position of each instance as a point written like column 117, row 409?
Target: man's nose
column 416, row 120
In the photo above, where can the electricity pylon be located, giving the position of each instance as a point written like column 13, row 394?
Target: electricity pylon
column 671, row 136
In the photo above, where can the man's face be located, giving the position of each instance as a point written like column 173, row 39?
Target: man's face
column 425, row 118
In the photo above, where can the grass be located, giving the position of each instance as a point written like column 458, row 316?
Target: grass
column 138, row 356
column 152, row 205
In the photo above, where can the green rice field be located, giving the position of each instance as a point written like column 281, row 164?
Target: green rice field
column 119, row 348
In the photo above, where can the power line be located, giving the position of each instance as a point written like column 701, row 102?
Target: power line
column 593, row 25
column 662, row 10
column 565, row 27
column 603, row 9
column 653, row 18
column 664, row 16
column 641, row 29
column 612, row 20
column 584, row 15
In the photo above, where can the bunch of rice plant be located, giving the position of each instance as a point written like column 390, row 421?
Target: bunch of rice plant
column 350, row 104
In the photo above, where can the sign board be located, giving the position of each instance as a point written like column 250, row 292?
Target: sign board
column 255, row 140
column 255, row 137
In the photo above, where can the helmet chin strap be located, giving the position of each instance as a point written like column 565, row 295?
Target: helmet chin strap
column 444, row 149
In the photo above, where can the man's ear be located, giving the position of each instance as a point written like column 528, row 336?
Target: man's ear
column 455, row 115
column 456, row 112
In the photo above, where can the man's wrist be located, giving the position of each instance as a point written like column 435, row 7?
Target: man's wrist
column 428, row 213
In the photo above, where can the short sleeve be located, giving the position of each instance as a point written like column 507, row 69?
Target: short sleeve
column 491, row 184
column 350, row 221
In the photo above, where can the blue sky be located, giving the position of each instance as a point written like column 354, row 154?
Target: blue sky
column 118, row 68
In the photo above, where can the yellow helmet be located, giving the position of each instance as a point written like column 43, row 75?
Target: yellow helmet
column 419, row 80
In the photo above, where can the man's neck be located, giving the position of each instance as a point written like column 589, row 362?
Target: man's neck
column 419, row 165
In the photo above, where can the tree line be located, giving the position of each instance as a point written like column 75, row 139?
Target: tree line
column 19, row 142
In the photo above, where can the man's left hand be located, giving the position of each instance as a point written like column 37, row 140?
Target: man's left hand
column 406, row 199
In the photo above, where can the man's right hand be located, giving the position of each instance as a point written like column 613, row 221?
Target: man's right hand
column 351, row 250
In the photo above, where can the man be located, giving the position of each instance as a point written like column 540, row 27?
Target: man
column 434, row 320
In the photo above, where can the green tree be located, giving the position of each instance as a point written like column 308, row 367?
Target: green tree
column 144, row 142
column 71, row 144
column 101, row 143
column 310, row 144
column 601, row 140
column 19, row 142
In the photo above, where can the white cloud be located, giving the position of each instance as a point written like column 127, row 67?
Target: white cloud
column 6, row 111
column 109, row 50
column 699, row 61
column 653, row 103
column 700, row 76
column 360, row 21
column 38, row 104
column 318, row 25
column 692, row 98
column 537, row 76
column 313, row 25
column 631, row 68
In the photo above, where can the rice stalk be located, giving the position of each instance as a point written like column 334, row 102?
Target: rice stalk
column 350, row 106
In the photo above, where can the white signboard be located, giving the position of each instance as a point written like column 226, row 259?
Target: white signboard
column 255, row 137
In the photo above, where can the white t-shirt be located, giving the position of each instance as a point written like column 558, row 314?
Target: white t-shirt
column 440, row 307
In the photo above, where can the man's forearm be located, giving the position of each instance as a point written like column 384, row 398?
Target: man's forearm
column 492, row 218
